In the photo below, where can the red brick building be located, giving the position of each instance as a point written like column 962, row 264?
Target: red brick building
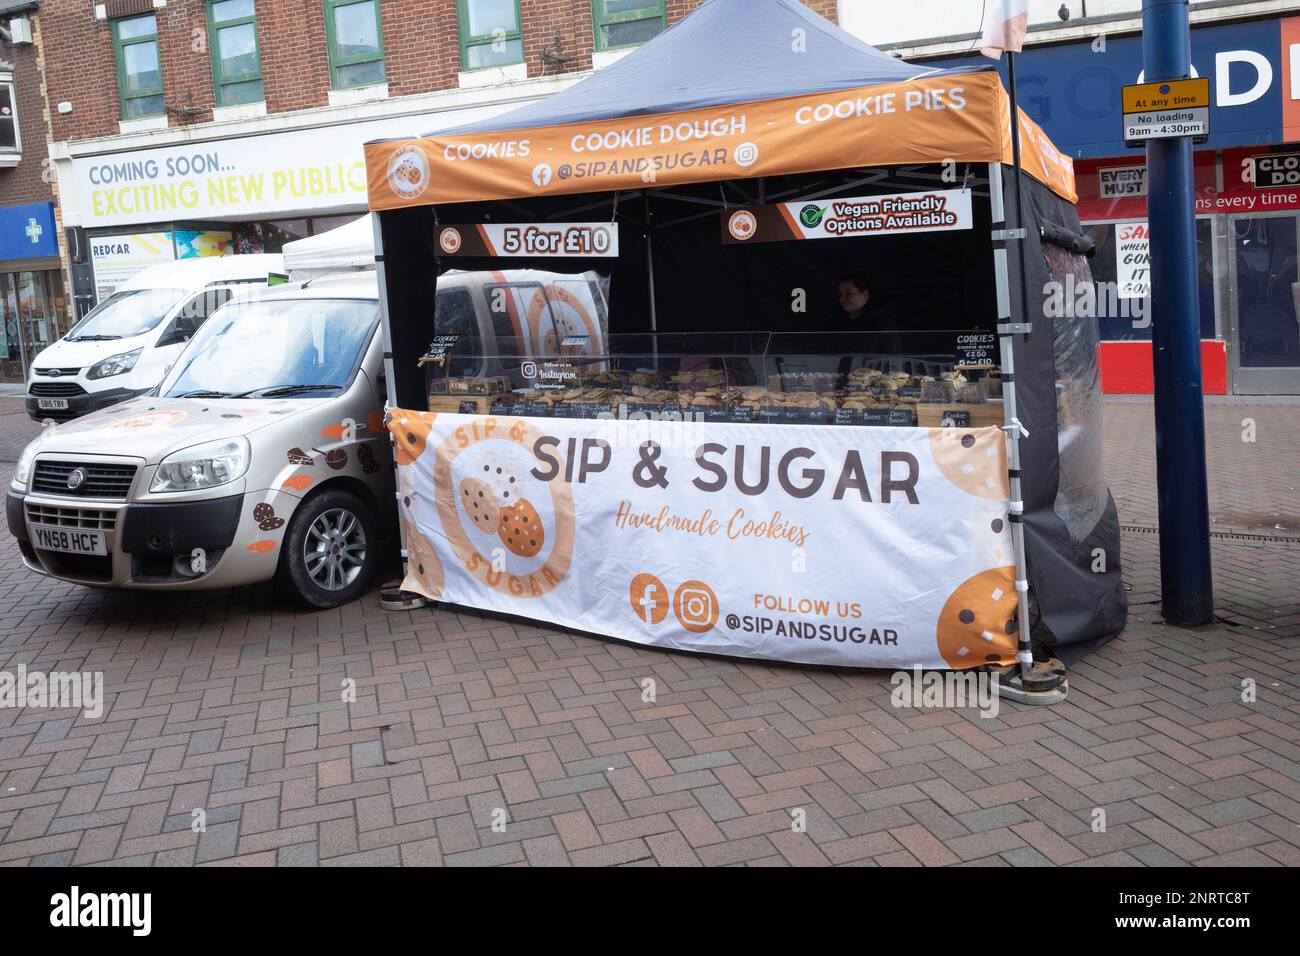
column 33, row 307
column 184, row 127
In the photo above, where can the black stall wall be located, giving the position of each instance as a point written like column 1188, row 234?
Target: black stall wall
column 410, row 282
column 917, row 282
column 1072, row 541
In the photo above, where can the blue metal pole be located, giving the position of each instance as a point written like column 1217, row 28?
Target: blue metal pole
column 1185, row 577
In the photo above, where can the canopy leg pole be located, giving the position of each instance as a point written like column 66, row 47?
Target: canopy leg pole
column 391, row 595
column 1023, row 683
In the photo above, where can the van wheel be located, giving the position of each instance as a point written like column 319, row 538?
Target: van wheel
column 331, row 549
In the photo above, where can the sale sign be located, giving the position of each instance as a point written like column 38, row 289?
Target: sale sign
column 1133, row 260
column 849, row 217
column 581, row 240
column 849, row 546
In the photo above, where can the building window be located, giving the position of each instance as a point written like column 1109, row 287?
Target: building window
column 9, row 141
column 489, row 33
column 232, row 37
column 356, row 43
column 621, row 23
column 139, row 75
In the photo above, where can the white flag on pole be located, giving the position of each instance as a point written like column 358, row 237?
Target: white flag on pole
column 1005, row 23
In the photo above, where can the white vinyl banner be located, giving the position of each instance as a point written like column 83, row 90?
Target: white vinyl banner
column 864, row 547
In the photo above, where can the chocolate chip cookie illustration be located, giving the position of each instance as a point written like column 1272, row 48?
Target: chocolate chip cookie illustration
column 369, row 463
column 410, row 432
column 481, row 505
column 521, row 529
column 264, row 514
column 977, row 625
column 299, row 457
column 424, row 574
column 336, row 459
column 975, row 460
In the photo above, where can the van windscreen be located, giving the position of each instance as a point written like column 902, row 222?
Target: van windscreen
column 124, row 314
column 275, row 348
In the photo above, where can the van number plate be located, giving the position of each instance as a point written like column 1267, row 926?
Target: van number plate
column 74, row 540
column 52, row 404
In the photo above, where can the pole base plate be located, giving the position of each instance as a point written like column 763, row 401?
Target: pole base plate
column 1044, row 683
column 393, row 598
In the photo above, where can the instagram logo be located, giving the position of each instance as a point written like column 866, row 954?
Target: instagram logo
column 528, row 369
column 649, row 598
column 696, row 607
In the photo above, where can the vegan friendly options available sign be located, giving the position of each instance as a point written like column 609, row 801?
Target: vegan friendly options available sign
column 849, row 217
column 814, row 544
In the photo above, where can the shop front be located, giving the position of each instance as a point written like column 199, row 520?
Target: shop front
column 1247, row 202
column 230, row 195
column 32, row 300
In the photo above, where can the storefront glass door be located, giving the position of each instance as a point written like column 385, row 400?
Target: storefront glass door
column 1264, row 331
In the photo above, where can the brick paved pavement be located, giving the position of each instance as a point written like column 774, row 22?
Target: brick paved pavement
column 230, row 703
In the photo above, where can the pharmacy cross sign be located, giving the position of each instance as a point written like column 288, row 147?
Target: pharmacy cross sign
column 34, row 230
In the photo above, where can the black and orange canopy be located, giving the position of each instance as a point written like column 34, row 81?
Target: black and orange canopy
column 739, row 89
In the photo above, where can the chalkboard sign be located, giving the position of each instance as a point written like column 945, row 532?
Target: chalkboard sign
column 910, row 391
column 742, row 414
column 768, row 414
column 902, row 417
column 977, row 348
column 502, row 406
column 848, row 416
column 441, row 346
column 469, row 408
column 520, row 408
column 708, row 413
column 538, row 409
column 876, row 416
column 819, row 416
column 591, row 409
column 564, row 410
column 955, row 419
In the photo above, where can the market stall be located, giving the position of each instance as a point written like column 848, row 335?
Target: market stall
column 729, row 353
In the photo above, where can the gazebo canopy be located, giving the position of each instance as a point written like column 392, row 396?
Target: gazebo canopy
column 738, row 89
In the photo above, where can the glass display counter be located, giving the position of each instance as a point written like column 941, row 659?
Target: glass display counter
column 927, row 379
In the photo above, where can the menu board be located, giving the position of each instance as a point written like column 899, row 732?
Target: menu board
column 977, row 348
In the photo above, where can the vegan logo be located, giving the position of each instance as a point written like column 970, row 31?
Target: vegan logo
column 408, row 171
column 450, row 241
column 742, row 225
column 811, row 215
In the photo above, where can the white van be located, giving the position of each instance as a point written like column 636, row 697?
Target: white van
column 125, row 345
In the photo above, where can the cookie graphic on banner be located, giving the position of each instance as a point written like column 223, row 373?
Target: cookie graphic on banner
column 977, row 625
column 480, row 501
column 410, row 432
column 424, row 574
column 490, row 491
column 975, row 460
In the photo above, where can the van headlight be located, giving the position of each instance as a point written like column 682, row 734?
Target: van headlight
column 115, row 364
column 202, row 466
column 23, row 470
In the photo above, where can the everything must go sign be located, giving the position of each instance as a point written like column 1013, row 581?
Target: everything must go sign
column 812, row 544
